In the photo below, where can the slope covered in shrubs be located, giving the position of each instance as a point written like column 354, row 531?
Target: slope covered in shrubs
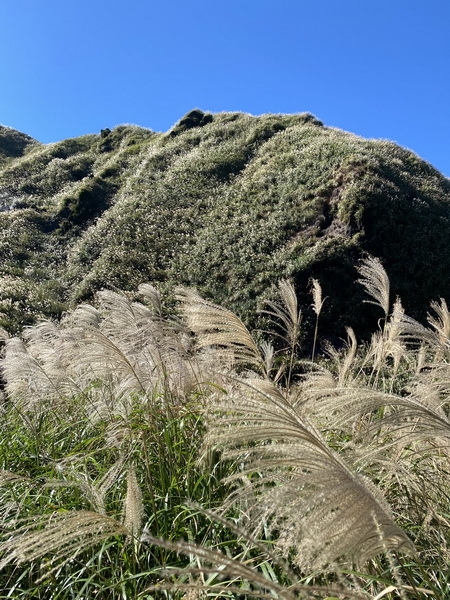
column 228, row 203
column 13, row 144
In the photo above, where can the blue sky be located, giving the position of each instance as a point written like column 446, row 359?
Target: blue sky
column 377, row 68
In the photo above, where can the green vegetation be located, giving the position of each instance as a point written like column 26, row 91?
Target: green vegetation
column 153, row 457
column 157, row 445
column 13, row 144
column 228, row 203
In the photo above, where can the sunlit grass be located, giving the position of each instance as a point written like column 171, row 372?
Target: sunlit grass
column 141, row 461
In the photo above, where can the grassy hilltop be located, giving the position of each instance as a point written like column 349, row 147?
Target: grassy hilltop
column 229, row 203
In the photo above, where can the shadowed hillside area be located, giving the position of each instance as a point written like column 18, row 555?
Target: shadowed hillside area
column 228, row 203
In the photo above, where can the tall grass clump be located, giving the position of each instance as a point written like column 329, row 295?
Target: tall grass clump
column 101, row 436
column 148, row 456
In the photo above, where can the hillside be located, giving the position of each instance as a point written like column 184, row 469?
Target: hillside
column 229, row 203
column 13, row 144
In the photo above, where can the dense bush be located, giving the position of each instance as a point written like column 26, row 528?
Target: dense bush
column 13, row 143
column 194, row 118
column 90, row 202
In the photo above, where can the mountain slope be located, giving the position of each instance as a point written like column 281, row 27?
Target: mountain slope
column 13, row 144
column 229, row 203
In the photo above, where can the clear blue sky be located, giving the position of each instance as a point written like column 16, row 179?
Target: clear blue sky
column 378, row 68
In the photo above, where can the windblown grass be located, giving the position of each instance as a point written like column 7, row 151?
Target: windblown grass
column 154, row 457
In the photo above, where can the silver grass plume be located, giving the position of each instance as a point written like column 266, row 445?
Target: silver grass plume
column 154, row 349
column 316, row 292
column 60, row 535
column 319, row 507
column 343, row 360
column 389, row 342
column 404, row 439
column 35, row 369
column 224, row 574
column 102, row 356
column 403, row 436
column 437, row 336
column 287, row 313
column 317, row 305
column 218, row 327
column 9, row 477
column 416, row 417
column 133, row 510
column 441, row 322
column 14, row 490
column 376, row 282
column 409, row 418
column 286, row 316
column 152, row 298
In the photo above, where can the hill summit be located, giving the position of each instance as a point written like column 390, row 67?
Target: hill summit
column 228, row 203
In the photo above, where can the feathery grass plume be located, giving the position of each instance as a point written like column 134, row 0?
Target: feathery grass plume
column 104, row 356
column 417, row 417
column 268, row 353
column 389, row 342
column 133, row 509
column 12, row 495
column 321, row 511
column 344, row 360
column 242, row 578
column 287, row 314
column 316, row 291
column 33, row 375
column 395, row 347
column 116, row 351
column 61, row 535
column 437, row 337
column 218, row 327
column 376, row 282
column 152, row 298
column 43, row 375
column 9, row 477
column 441, row 322
column 401, row 437
column 156, row 349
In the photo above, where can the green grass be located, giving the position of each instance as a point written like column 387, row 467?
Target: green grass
column 59, row 467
